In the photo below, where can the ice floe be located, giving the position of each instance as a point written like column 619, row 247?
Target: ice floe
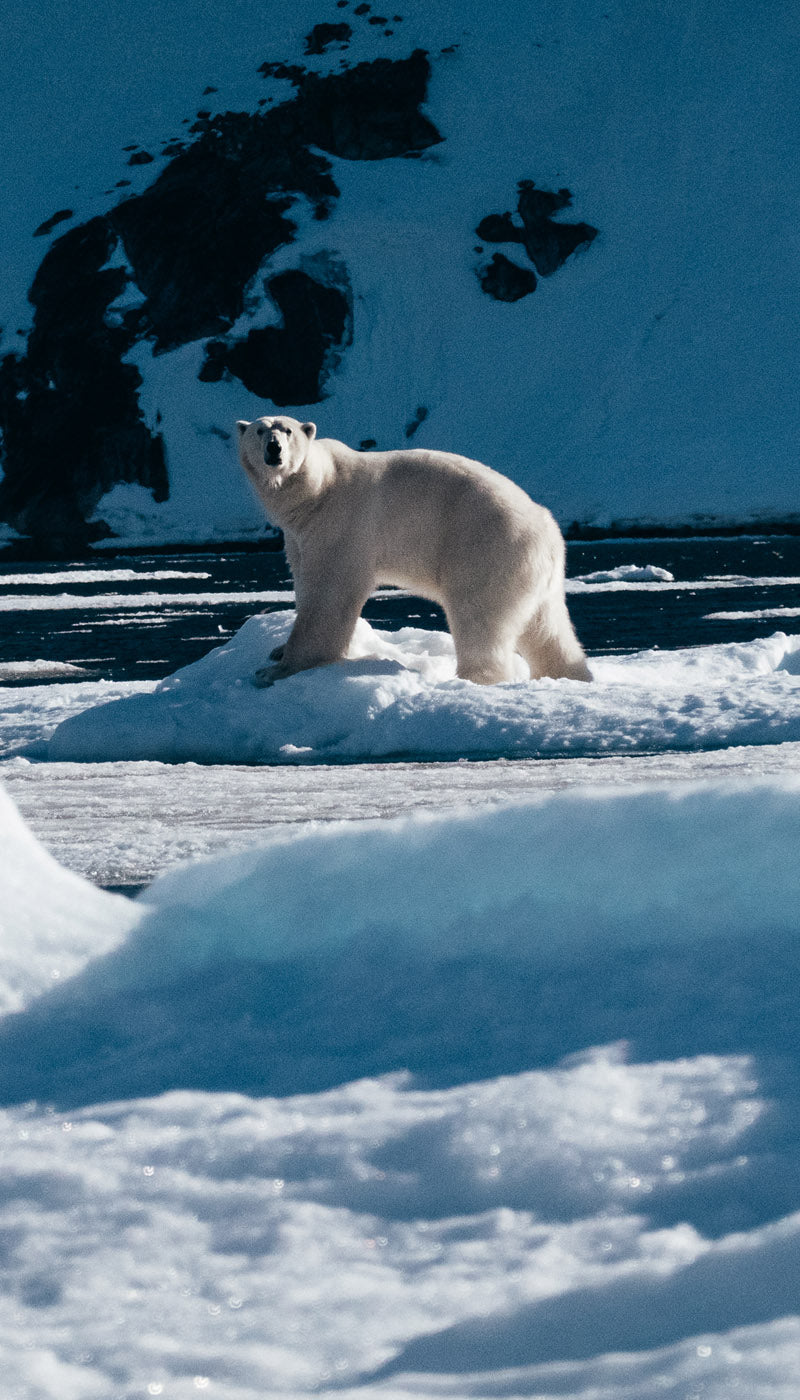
column 397, row 695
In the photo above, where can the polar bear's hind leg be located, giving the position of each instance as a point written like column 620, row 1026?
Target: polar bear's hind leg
column 549, row 645
column 484, row 654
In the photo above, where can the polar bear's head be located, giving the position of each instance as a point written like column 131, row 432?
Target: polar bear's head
column 273, row 450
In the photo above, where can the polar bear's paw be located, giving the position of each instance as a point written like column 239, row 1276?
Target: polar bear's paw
column 267, row 675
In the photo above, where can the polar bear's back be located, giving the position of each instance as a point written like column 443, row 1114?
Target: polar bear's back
column 430, row 506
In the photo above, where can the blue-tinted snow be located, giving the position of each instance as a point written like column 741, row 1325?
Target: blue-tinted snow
column 525, row 1215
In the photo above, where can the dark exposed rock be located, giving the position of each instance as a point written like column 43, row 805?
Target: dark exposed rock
column 499, row 228
column 289, row 364
column 141, row 158
column 195, row 240
column 201, row 231
column 49, row 224
column 505, row 280
column 72, row 426
column 420, row 415
column 547, row 243
column 291, row 71
column 370, row 112
column 323, row 35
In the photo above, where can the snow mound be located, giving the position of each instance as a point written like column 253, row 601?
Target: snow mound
column 51, row 921
column 458, row 946
column 510, row 1222
column 398, row 696
column 628, row 573
column 603, row 866
column 38, row 670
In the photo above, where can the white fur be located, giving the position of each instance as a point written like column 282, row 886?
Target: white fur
column 447, row 528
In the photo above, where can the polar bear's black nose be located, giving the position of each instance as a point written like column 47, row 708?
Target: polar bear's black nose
column 272, row 453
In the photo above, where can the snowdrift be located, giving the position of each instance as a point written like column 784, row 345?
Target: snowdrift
column 601, row 1229
column 397, row 696
column 505, row 1224
column 458, row 946
column 51, row 921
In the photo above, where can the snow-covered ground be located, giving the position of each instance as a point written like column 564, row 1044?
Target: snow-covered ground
column 523, row 1213
column 489, row 1090
column 398, row 696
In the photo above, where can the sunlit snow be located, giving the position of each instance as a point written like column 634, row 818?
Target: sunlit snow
column 398, row 695
column 526, row 1215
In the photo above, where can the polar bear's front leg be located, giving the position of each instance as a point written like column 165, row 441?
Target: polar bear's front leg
column 327, row 612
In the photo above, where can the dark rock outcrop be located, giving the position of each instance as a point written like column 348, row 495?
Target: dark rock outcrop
column 547, row 243
column 72, row 425
column 289, row 364
column 323, row 35
column 193, row 241
column 370, row 112
column 506, row 280
column 49, row 224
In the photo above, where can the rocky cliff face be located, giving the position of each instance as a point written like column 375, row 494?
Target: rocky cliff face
column 194, row 248
column 192, row 244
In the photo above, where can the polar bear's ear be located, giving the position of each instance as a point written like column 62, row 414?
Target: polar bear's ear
column 242, row 425
column 310, row 430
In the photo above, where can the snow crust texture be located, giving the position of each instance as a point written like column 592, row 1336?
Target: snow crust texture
column 522, row 1215
column 398, row 696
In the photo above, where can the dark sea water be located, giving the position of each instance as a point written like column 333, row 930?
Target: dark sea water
column 149, row 640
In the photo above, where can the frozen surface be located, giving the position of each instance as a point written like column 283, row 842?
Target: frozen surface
column 494, row 1096
column 628, row 573
column 76, row 574
column 121, row 824
column 219, row 1176
column 56, row 602
column 38, row 670
column 397, row 696
column 755, row 613
column 51, row 921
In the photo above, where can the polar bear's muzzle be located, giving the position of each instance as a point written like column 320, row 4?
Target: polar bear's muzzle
column 272, row 452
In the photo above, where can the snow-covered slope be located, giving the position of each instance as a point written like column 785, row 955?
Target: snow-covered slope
column 345, row 213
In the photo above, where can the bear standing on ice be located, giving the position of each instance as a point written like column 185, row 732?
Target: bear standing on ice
column 445, row 527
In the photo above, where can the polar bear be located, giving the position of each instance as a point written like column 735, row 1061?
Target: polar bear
column 445, row 527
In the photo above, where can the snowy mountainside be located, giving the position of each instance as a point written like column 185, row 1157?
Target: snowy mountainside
column 559, row 241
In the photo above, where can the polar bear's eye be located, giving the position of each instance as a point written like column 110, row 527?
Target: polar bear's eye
column 259, row 432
